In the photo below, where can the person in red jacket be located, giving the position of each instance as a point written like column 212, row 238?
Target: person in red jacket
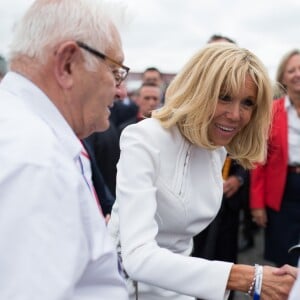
column 275, row 186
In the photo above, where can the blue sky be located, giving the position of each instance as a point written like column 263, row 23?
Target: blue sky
column 165, row 33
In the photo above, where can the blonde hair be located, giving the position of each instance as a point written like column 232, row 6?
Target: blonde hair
column 282, row 66
column 192, row 97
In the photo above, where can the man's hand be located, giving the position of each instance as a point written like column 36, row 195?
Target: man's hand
column 231, row 186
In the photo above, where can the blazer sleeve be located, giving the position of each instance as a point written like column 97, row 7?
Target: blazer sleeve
column 257, row 186
column 273, row 170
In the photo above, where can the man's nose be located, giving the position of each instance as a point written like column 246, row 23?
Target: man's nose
column 153, row 104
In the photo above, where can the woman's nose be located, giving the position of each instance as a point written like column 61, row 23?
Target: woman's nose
column 234, row 111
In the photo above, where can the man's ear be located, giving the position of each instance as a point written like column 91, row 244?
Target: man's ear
column 66, row 57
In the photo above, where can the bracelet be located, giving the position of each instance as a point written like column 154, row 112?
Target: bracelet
column 255, row 286
column 250, row 290
column 258, row 283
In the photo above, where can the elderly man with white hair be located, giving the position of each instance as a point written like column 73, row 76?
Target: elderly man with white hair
column 66, row 63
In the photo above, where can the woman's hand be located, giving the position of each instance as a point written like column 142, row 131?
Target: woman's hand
column 276, row 283
column 259, row 216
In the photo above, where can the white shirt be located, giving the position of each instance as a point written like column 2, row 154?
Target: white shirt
column 293, row 133
column 167, row 191
column 295, row 292
column 54, row 242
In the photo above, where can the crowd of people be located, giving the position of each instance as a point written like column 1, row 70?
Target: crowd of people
column 106, row 194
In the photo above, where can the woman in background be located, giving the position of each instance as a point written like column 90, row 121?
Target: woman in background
column 275, row 186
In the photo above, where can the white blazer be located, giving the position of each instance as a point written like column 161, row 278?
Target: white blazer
column 168, row 190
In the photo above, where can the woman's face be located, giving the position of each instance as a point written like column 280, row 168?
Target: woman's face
column 291, row 75
column 233, row 113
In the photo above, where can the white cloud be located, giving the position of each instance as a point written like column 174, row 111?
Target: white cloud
column 165, row 33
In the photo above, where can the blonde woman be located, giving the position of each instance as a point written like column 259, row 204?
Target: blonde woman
column 169, row 183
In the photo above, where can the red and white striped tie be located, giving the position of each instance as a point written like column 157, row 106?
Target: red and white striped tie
column 85, row 166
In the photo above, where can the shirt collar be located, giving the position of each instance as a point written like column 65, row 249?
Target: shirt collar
column 39, row 102
column 287, row 102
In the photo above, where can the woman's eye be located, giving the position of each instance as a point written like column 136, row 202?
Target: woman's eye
column 248, row 103
column 225, row 98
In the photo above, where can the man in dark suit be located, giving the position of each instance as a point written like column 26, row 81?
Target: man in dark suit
column 103, row 149
column 106, row 152
column 105, row 198
column 147, row 100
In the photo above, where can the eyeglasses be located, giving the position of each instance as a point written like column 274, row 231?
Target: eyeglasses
column 120, row 74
